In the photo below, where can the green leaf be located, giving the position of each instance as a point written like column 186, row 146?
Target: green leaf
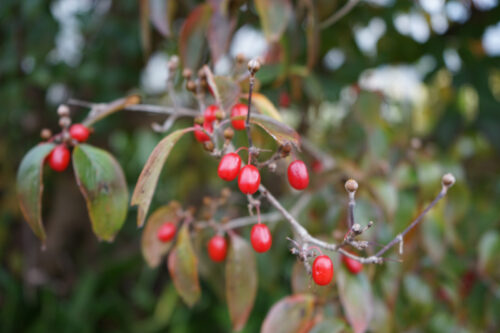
column 419, row 295
column 152, row 248
column 280, row 132
column 183, row 267
column 265, row 106
column 387, row 195
column 192, row 39
column 356, row 297
column 30, row 187
column 146, row 184
column 489, row 254
column 291, row 314
column 102, row 183
column 241, row 281
column 144, row 11
column 330, row 325
column 165, row 306
column 274, row 16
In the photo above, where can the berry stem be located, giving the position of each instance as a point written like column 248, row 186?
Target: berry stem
column 247, row 123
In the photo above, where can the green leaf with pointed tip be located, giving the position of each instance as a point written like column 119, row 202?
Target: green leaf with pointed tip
column 152, row 248
column 489, row 254
column 241, row 281
column 146, row 184
column 30, row 187
column 274, row 17
column 102, row 183
column 280, row 132
column 192, row 40
column 356, row 297
column 183, row 267
column 291, row 314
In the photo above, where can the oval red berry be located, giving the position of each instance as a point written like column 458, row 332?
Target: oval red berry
column 79, row 132
column 217, row 248
column 229, row 166
column 261, row 238
column 322, row 270
column 352, row 265
column 249, row 179
column 210, row 113
column 200, row 135
column 298, row 176
column 166, row 232
column 239, row 110
column 59, row 158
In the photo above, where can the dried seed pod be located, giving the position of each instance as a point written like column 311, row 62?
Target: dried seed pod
column 351, row 185
column 448, row 180
column 45, row 134
column 253, row 66
column 209, row 146
column 228, row 133
column 63, row 110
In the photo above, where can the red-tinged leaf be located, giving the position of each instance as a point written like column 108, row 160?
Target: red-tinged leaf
column 183, row 267
column 146, row 184
column 225, row 90
column 280, row 132
column 219, row 32
column 192, row 39
column 102, row 183
column 274, row 16
column 152, row 248
column 30, row 187
column 291, row 314
column 145, row 28
column 161, row 14
column 356, row 297
column 265, row 106
column 100, row 111
column 241, row 281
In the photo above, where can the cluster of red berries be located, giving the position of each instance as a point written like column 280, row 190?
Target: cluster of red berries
column 59, row 157
column 210, row 115
column 217, row 246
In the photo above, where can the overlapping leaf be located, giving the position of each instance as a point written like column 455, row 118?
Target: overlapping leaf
column 152, row 248
column 241, row 281
column 148, row 179
column 291, row 314
column 265, row 106
column 225, row 90
column 274, row 16
column 102, row 183
column 183, row 267
column 192, row 38
column 280, row 132
column 30, row 187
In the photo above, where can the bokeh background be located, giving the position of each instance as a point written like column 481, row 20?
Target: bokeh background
column 397, row 92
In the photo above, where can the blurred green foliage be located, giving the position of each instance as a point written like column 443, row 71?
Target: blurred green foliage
column 449, row 280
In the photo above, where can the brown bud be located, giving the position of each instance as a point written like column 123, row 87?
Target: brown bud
column 63, row 110
column 225, row 193
column 191, row 86
column 240, row 58
column 228, row 133
column 219, row 115
column 199, row 120
column 187, row 73
column 64, row 122
column 45, row 134
column 204, row 83
column 173, row 63
column 202, row 74
column 286, row 147
column 209, row 146
column 253, row 66
column 448, row 180
column 351, row 185
column 207, row 201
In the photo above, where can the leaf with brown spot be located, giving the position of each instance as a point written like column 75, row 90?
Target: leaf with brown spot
column 280, row 132
column 291, row 314
column 225, row 90
column 183, row 267
column 30, row 187
column 146, row 184
column 274, row 16
column 152, row 248
column 356, row 298
column 102, row 183
column 241, row 281
column 192, row 39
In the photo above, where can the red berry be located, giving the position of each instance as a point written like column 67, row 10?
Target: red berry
column 322, row 270
column 229, row 166
column 249, row 179
column 79, row 132
column 352, row 265
column 260, row 237
column 166, row 232
column 210, row 112
column 298, row 175
column 217, row 248
column 239, row 110
column 59, row 158
column 201, row 136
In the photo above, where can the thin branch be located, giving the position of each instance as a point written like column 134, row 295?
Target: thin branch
column 247, row 124
column 338, row 14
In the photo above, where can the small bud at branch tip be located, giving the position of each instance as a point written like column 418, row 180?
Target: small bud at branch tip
column 351, row 185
